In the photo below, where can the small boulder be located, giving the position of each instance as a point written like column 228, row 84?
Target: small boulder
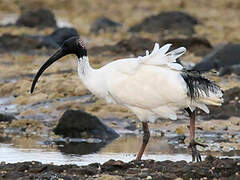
column 31, row 43
column 196, row 45
column 40, row 18
column 230, row 107
column 220, row 58
column 22, row 43
column 79, row 124
column 175, row 21
column 135, row 45
column 229, row 70
column 56, row 39
column 6, row 118
column 105, row 24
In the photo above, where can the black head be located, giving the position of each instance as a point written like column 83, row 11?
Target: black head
column 73, row 45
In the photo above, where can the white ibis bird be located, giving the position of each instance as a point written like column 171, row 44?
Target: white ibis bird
column 152, row 86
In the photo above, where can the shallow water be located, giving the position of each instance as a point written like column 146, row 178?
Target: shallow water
column 19, row 149
column 83, row 152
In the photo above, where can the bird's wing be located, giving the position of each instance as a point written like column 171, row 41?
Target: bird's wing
column 149, row 87
column 161, row 57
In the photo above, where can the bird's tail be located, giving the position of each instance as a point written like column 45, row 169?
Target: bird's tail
column 202, row 90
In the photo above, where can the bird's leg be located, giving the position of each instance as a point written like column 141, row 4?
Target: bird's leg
column 193, row 144
column 146, row 136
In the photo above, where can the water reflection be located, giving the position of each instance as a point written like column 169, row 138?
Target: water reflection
column 80, row 148
column 82, row 151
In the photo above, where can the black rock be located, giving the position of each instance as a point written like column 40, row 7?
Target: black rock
column 230, row 107
column 134, row 45
column 21, row 43
column 6, row 118
column 222, row 57
column 199, row 46
column 172, row 21
column 40, row 18
column 229, row 70
column 32, row 43
column 79, row 124
column 57, row 38
column 105, row 24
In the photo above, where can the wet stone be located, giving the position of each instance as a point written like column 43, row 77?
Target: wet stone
column 113, row 165
column 210, row 168
column 6, row 118
column 79, row 124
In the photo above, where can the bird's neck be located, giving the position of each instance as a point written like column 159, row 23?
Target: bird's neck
column 90, row 77
column 84, row 68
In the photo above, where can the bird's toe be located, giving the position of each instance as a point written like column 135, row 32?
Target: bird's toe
column 195, row 153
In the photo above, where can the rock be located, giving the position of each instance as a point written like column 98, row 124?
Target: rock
column 222, row 57
column 6, row 118
column 230, row 107
column 210, row 168
column 79, row 124
column 113, row 165
column 31, row 43
column 174, row 21
column 132, row 126
column 41, row 18
column 22, row 43
column 104, row 24
column 57, row 38
column 196, row 45
column 135, row 45
column 229, row 70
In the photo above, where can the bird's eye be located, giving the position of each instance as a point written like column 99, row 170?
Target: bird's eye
column 81, row 43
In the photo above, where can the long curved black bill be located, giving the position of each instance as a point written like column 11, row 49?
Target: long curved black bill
column 56, row 56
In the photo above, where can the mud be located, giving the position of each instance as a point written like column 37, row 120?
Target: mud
column 146, row 169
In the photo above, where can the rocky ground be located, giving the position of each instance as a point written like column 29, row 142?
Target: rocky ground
column 211, row 168
column 209, row 30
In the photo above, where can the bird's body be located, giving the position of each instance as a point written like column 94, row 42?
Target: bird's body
column 149, row 89
column 153, row 86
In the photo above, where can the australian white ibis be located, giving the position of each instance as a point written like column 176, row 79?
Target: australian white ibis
column 152, row 86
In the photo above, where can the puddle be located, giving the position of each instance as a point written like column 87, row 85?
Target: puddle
column 6, row 106
column 19, row 149
column 83, row 152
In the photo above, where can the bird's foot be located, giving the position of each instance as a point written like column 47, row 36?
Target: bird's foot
column 195, row 153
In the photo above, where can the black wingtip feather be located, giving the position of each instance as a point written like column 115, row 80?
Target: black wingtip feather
column 197, row 85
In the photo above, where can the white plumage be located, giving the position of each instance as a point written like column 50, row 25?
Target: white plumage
column 151, row 86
